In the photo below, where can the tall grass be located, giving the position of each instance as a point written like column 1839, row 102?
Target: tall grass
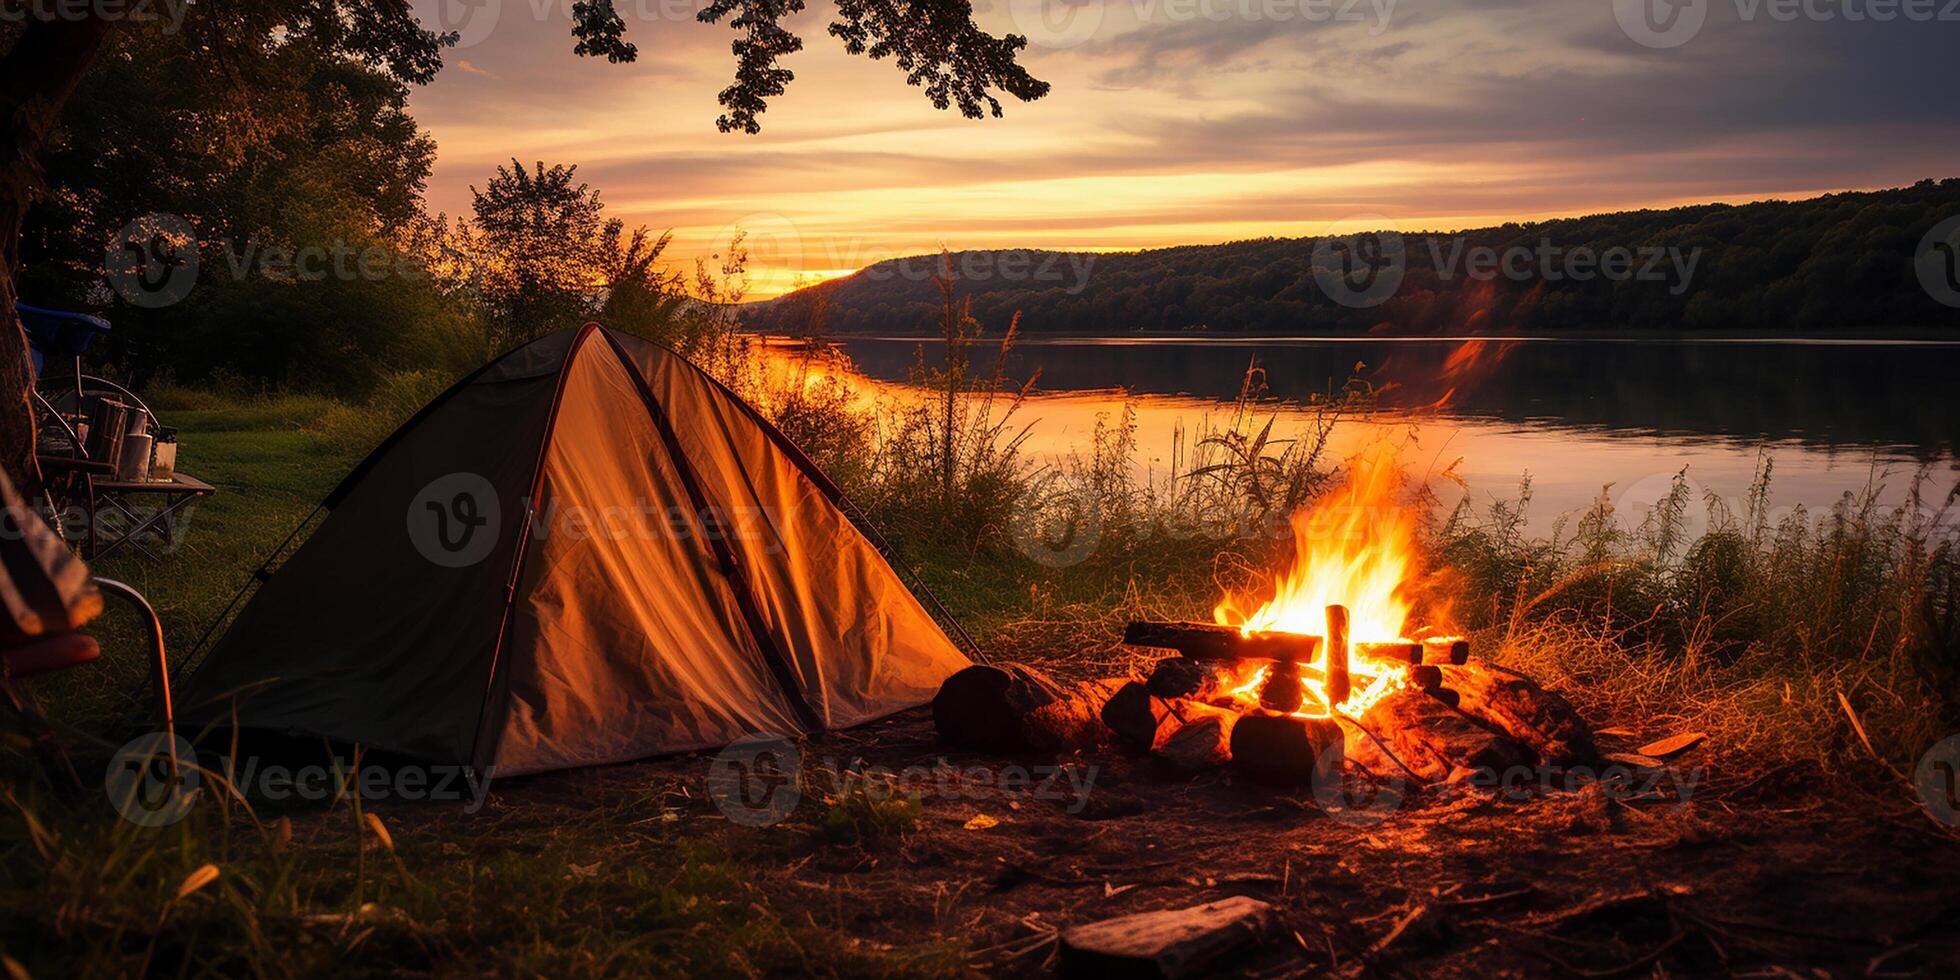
column 616, row 884
column 355, row 429
column 947, row 467
column 1832, row 636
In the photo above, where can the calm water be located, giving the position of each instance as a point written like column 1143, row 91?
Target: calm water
column 1577, row 415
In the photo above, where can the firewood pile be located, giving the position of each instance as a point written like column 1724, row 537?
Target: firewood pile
column 1280, row 707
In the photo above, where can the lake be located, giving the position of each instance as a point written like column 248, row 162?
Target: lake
column 1834, row 416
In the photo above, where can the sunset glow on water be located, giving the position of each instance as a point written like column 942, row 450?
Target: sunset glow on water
column 1459, row 449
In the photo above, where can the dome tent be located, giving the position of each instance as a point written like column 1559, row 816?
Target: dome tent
column 587, row 552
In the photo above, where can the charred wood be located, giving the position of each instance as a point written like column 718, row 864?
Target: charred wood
column 1137, row 717
column 1432, row 739
column 1425, row 677
column 1282, row 690
column 1287, row 749
column 1205, row 641
column 1198, row 680
column 1016, row 709
column 1520, row 708
column 1144, row 721
column 1204, row 742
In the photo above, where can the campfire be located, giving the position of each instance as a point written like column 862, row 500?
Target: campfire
column 1328, row 674
column 1354, row 562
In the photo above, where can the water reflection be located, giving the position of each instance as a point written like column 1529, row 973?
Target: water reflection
column 1577, row 416
column 1899, row 396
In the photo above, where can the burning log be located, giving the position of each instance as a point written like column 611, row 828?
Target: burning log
column 1016, row 709
column 1287, row 749
column 1146, row 721
column 1282, row 690
column 1446, row 650
column 1338, row 686
column 1518, row 707
column 1425, row 677
column 1205, row 641
column 1431, row 739
column 1198, row 680
column 1394, row 652
column 1441, row 650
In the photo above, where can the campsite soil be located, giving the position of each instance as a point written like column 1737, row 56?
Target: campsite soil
column 1765, row 871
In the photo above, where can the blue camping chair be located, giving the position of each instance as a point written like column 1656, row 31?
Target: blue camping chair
column 65, row 335
column 58, row 333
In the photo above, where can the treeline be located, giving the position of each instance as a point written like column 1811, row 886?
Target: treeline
column 242, row 197
column 1842, row 262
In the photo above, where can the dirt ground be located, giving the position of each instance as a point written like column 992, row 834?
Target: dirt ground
column 1771, row 872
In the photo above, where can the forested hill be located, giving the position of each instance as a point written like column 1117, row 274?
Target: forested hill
column 1843, row 262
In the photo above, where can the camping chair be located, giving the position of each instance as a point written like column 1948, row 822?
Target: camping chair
column 47, row 595
column 66, row 469
column 77, row 476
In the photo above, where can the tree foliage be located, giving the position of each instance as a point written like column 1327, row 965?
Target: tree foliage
column 934, row 42
column 547, row 258
column 282, row 126
column 270, row 128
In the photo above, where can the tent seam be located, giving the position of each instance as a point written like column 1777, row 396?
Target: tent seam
column 524, row 535
column 772, row 651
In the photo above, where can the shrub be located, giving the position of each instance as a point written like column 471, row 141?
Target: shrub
column 357, row 429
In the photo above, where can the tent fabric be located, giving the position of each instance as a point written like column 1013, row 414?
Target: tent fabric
column 819, row 612
column 664, row 573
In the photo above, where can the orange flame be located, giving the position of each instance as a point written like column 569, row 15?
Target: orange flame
column 1354, row 548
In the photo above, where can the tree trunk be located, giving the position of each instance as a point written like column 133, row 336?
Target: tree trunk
column 37, row 76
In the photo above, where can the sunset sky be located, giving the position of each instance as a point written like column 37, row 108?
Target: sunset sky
column 1175, row 122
